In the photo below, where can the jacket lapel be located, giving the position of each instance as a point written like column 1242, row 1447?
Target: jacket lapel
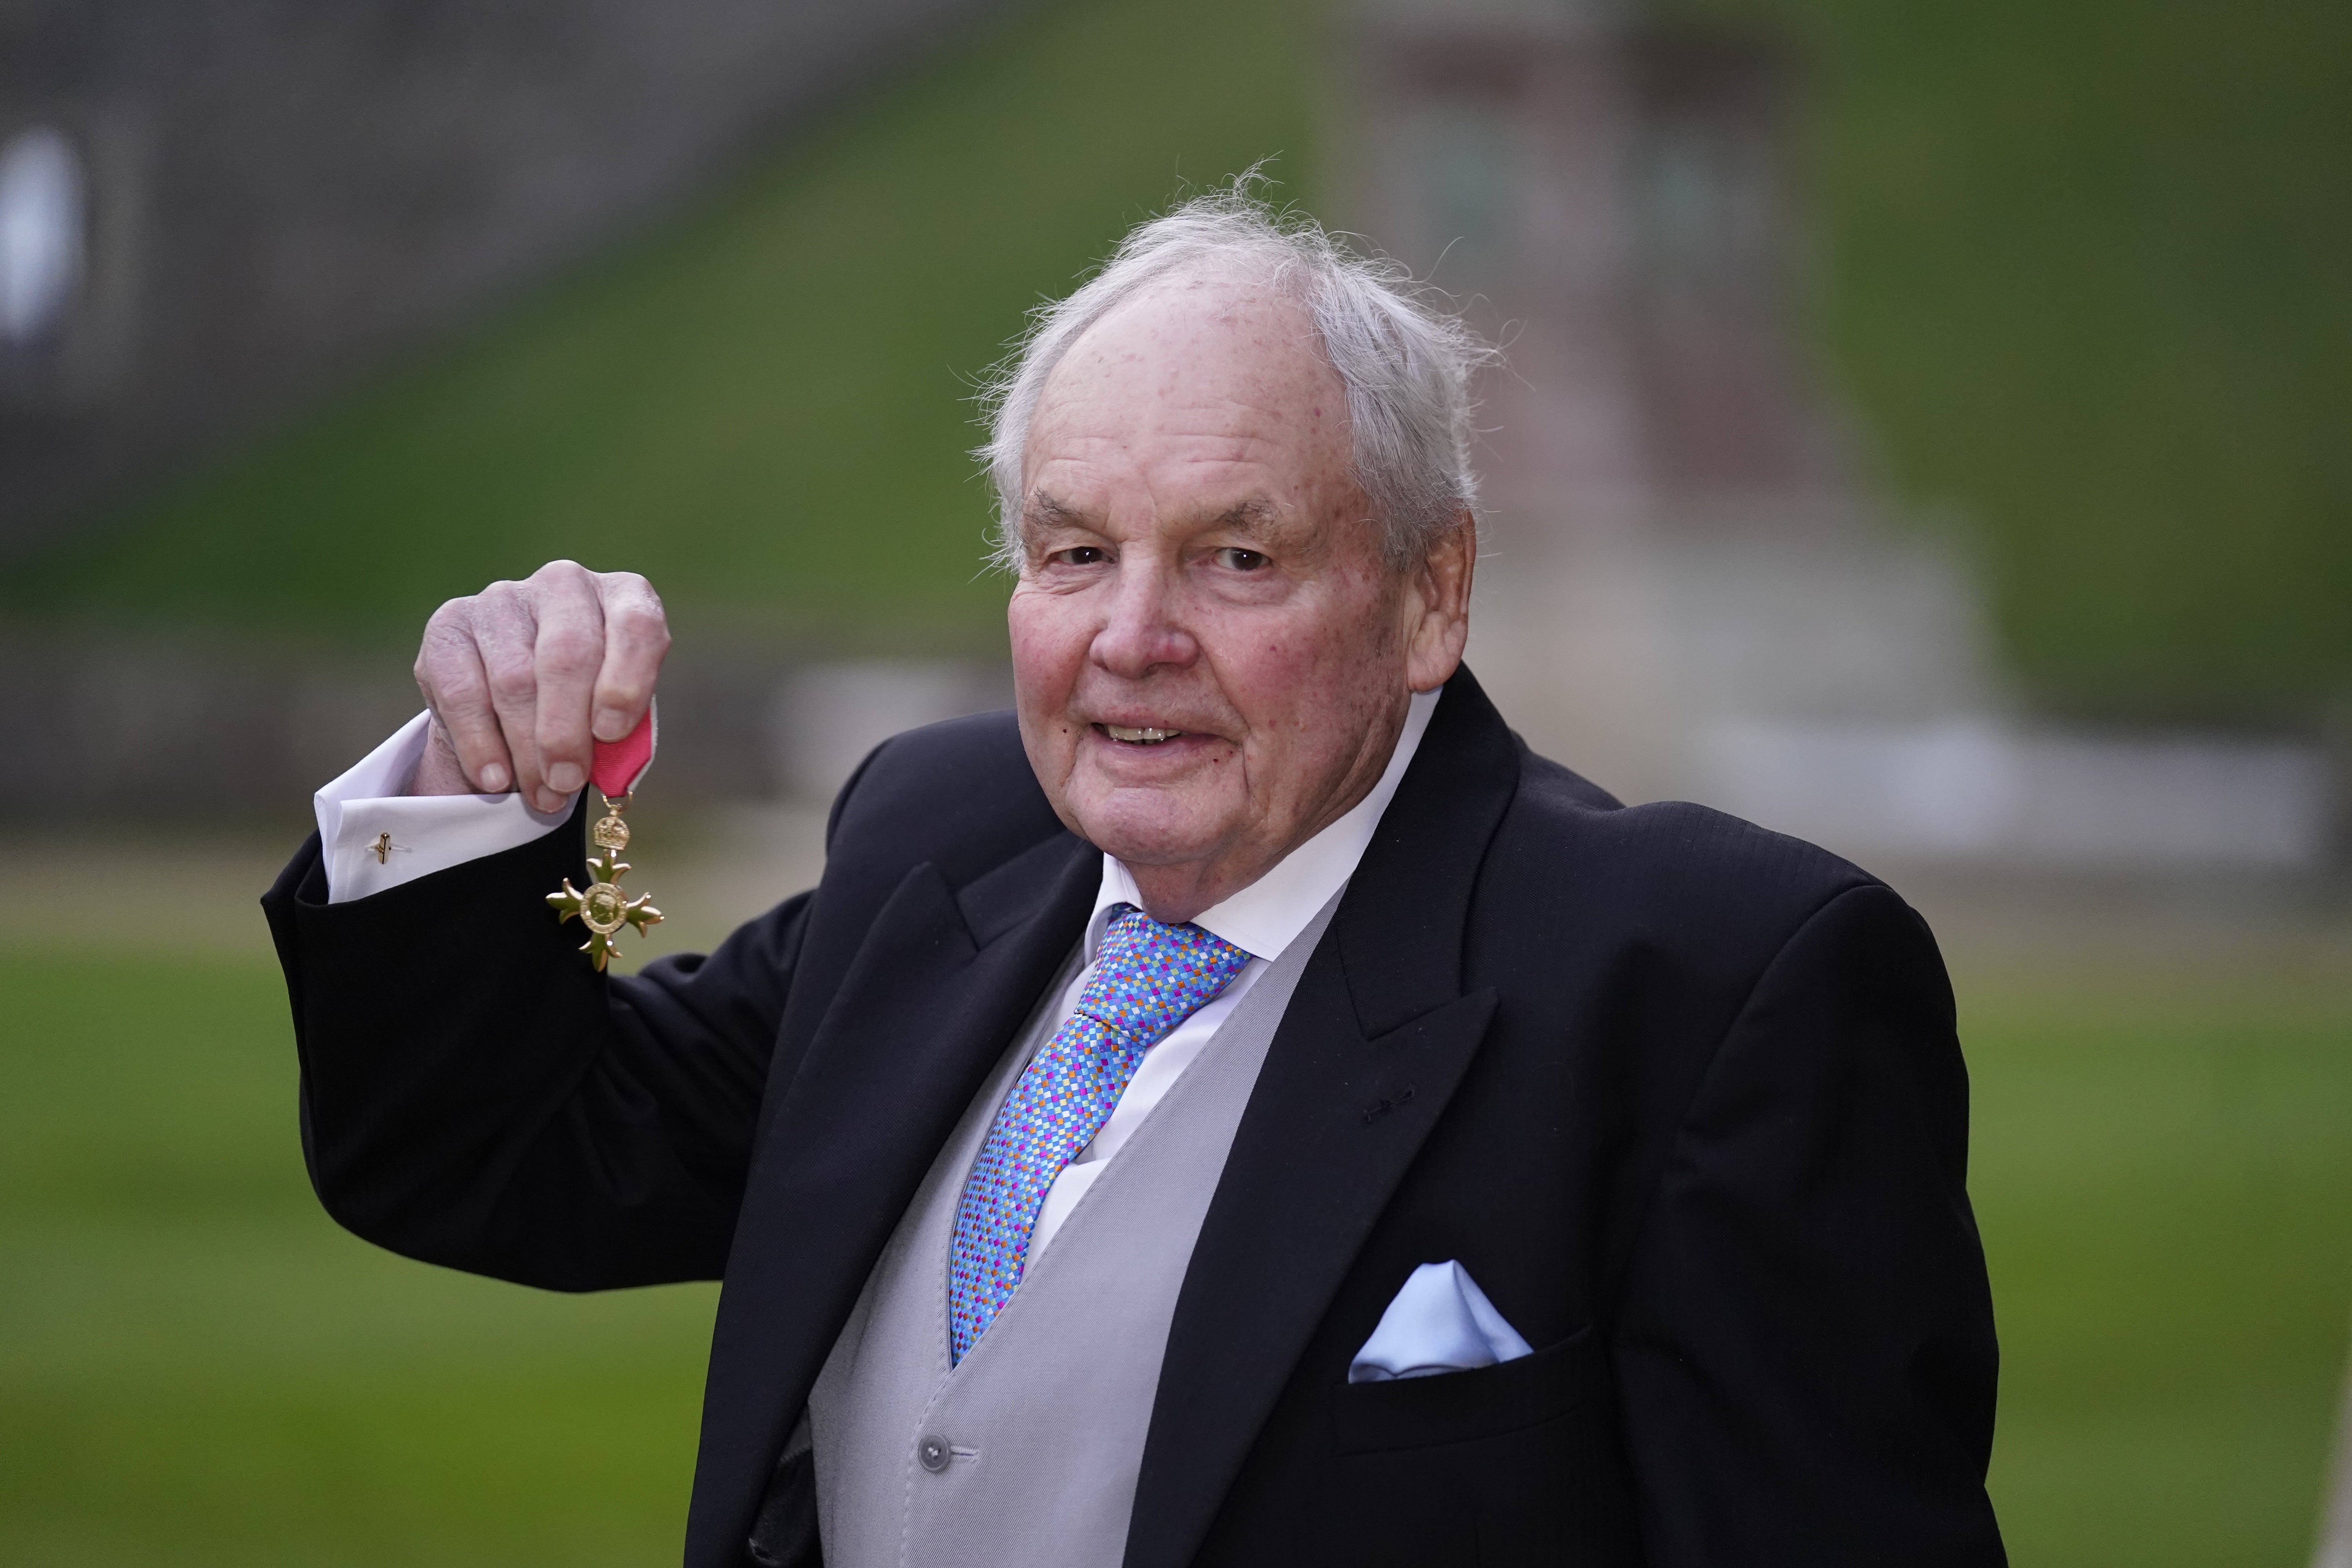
column 937, row 988
column 1375, row 1040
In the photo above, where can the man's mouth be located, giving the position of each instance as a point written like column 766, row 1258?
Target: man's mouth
column 1139, row 736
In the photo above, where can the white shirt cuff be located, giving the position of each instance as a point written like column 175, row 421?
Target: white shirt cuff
column 374, row 837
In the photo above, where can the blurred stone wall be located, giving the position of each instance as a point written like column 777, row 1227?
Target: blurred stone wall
column 212, row 209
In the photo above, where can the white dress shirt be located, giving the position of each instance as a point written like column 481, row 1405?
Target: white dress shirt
column 1261, row 920
column 428, row 833
column 432, row 833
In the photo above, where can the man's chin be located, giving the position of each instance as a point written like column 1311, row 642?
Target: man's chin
column 1145, row 827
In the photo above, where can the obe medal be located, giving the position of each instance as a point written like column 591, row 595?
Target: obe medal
column 601, row 906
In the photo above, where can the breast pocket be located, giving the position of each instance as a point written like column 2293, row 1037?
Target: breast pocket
column 1465, row 1406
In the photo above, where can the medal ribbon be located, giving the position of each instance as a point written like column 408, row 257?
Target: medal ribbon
column 620, row 765
column 615, row 769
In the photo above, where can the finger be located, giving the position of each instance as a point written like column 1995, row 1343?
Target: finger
column 566, row 654
column 504, row 632
column 438, row 772
column 457, row 687
column 636, row 636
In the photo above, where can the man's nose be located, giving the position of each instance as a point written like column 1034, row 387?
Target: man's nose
column 1142, row 632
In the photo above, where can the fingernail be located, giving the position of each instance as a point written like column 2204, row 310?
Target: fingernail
column 565, row 777
column 494, row 780
column 611, row 723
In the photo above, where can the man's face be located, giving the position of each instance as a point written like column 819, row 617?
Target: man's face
column 1212, row 657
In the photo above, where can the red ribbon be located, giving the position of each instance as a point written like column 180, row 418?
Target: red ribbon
column 620, row 764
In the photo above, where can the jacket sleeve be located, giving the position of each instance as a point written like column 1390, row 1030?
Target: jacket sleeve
column 474, row 1094
column 1805, row 1349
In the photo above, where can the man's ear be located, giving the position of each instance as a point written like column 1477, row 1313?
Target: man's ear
column 1437, row 605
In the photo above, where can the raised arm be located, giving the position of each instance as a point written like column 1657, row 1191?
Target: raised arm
column 472, row 1093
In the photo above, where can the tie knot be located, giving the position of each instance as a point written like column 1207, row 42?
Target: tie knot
column 1151, row 977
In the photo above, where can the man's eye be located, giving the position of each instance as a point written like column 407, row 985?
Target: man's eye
column 1235, row 558
column 1079, row 555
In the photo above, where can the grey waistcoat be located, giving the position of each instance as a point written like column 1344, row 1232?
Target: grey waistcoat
column 1027, row 1451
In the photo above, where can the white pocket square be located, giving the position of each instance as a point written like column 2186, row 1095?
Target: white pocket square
column 1440, row 1321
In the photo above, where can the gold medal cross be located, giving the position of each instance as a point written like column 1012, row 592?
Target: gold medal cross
column 601, row 906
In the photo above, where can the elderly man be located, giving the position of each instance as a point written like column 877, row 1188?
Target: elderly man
column 1241, row 1107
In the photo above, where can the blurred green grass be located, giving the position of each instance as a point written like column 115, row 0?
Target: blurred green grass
column 197, row 1368
column 2088, row 281
column 2162, row 1169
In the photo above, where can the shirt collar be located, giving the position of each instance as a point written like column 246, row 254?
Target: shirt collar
column 1265, row 916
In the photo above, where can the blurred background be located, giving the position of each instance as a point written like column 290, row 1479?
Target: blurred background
column 1925, row 431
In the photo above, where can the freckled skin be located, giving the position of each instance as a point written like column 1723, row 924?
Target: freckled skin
column 1197, row 556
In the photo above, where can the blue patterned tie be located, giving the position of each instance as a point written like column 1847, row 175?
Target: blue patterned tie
column 1148, row 978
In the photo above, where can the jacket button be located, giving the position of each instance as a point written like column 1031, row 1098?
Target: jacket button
column 931, row 1452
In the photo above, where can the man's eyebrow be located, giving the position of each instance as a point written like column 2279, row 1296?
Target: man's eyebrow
column 1257, row 515
column 1260, row 518
column 1047, row 510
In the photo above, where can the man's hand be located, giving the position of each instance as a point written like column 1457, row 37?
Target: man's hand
column 523, row 675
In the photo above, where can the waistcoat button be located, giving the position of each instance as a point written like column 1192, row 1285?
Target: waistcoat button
column 931, row 1452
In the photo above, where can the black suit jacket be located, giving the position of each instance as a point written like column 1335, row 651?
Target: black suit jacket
column 1683, row 1096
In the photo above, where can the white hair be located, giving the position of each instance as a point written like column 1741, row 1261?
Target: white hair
column 1406, row 364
